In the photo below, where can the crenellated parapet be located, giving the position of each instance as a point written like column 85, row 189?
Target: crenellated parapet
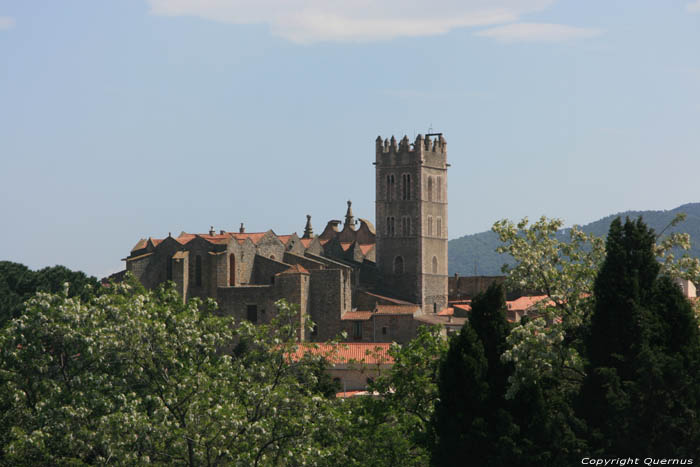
column 429, row 143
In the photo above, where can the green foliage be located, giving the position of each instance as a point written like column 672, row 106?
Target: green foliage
column 139, row 377
column 477, row 252
column 472, row 421
column 641, row 394
column 393, row 428
column 18, row 283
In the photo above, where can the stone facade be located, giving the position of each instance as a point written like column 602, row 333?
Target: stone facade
column 411, row 216
column 375, row 285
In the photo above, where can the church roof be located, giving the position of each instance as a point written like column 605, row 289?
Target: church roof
column 295, row 269
column 352, row 352
column 356, row 316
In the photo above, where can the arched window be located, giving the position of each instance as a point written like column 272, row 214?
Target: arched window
column 406, row 184
column 438, row 229
column 389, row 187
column 231, row 270
column 198, row 271
column 405, row 226
column 438, row 190
column 430, row 226
column 430, row 188
column 390, row 231
column 398, row 265
column 435, row 265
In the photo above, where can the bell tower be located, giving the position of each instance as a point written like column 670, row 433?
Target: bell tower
column 411, row 217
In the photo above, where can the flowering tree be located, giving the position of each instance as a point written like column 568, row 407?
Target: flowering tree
column 564, row 269
column 133, row 377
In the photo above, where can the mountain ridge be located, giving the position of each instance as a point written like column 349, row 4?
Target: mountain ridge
column 475, row 254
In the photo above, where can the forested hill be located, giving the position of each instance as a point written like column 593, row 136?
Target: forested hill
column 475, row 254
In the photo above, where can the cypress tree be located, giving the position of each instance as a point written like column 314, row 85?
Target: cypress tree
column 640, row 395
column 471, row 422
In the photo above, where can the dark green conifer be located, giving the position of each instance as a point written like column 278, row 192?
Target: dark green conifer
column 640, row 395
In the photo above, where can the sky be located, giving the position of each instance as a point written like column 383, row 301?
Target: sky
column 125, row 119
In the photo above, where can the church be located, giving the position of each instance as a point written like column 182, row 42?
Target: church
column 375, row 284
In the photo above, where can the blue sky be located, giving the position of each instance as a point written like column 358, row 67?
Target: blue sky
column 134, row 118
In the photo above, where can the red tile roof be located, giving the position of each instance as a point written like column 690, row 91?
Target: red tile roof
column 366, row 248
column 389, row 299
column 356, row 316
column 447, row 312
column 368, row 353
column 525, row 302
column 254, row 236
column 463, row 307
column 284, row 238
column 306, row 242
column 345, row 245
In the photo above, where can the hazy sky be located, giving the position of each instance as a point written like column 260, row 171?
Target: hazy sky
column 125, row 119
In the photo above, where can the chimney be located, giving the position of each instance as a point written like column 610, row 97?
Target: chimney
column 241, row 229
column 212, row 231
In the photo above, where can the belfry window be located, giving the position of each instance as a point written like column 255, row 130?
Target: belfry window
column 438, row 189
column 390, row 231
column 406, row 184
column 398, row 265
column 435, row 265
column 438, row 229
column 430, row 188
column 389, row 187
column 430, row 226
column 405, row 226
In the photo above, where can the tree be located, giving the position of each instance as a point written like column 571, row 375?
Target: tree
column 472, row 419
column 133, row 376
column 18, row 283
column 641, row 394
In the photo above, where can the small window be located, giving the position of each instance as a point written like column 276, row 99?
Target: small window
column 384, row 330
column 390, row 231
column 252, row 313
column 406, row 226
column 430, row 226
column 357, row 330
column 398, row 265
column 430, row 188
column 438, row 230
column 435, row 265
column 406, row 183
column 389, row 187
column 438, row 189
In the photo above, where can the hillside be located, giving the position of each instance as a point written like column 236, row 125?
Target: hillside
column 475, row 254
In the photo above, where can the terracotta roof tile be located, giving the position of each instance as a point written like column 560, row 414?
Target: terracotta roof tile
column 447, row 312
column 306, row 242
column 284, row 238
column 254, row 236
column 366, row 248
column 368, row 353
column 345, row 245
column 525, row 302
column 463, row 307
column 356, row 316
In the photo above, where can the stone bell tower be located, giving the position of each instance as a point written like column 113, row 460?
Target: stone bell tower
column 411, row 217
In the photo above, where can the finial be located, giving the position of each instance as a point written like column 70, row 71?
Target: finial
column 308, row 230
column 212, row 231
column 241, row 229
column 349, row 219
column 170, row 234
